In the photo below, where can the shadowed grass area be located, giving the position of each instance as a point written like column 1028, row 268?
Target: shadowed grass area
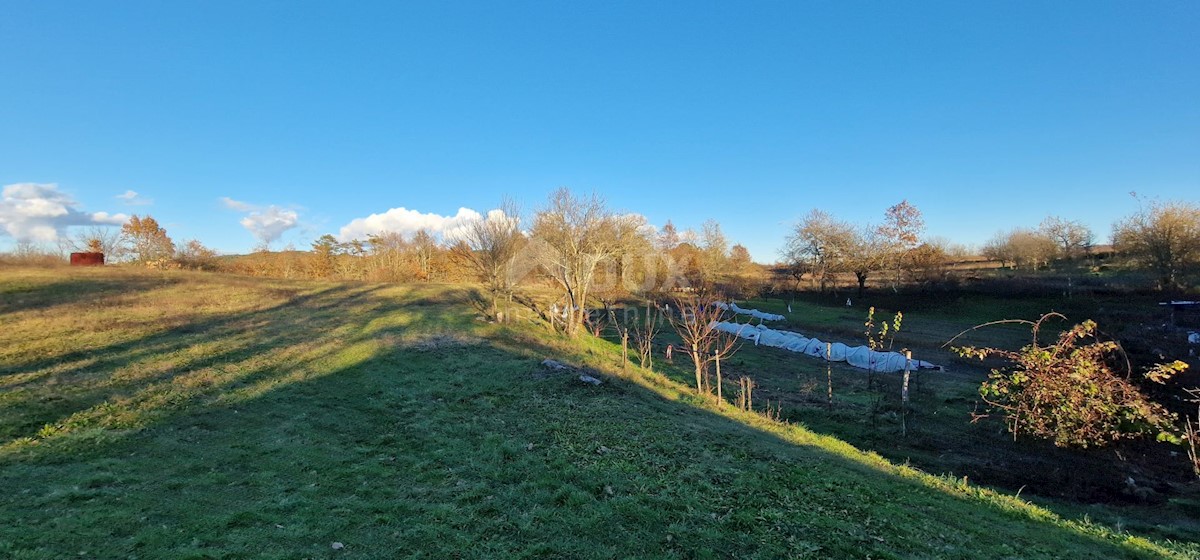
column 204, row 416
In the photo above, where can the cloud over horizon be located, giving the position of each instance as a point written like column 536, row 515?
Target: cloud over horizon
column 407, row 222
column 40, row 212
column 132, row 198
column 267, row 224
column 236, row 204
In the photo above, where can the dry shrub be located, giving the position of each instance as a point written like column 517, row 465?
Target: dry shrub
column 1069, row 392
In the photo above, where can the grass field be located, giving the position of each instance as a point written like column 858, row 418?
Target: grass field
column 188, row 415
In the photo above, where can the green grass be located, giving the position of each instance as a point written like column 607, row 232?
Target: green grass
column 929, row 322
column 204, row 416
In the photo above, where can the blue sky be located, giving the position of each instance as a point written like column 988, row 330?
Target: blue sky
column 311, row 115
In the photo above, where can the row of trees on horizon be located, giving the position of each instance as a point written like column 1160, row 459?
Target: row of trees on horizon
column 578, row 242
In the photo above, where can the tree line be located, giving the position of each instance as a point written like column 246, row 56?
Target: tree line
column 1159, row 238
column 590, row 252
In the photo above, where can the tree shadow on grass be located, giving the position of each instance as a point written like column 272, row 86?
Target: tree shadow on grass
column 400, row 449
column 79, row 380
column 73, row 290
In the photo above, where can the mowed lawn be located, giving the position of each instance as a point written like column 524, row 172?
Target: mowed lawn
column 192, row 415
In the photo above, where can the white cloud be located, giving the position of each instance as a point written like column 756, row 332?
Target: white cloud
column 236, row 205
column 104, row 218
column 268, row 223
column 40, row 212
column 132, row 198
column 404, row 221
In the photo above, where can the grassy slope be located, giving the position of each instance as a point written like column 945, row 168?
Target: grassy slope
column 203, row 416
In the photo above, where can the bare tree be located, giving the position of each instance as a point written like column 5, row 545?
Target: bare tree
column 1074, row 239
column 424, row 246
column 95, row 239
column 694, row 321
column 668, row 237
column 715, row 253
column 822, row 242
column 574, row 235
column 628, row 269
column 1022, row 247
column 28, row 251
column 689, row 237
column 1032, row 248
column 644, row 332
column 928, row 262
column 388, row 252
column 1191, row 431
column 489, row 245
column 1163, row 237
column 997, row 248
column 866, row 252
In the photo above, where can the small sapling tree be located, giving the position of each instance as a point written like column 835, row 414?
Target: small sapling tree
column 488, row 246
column 694, row 323
column 1191, row 431
column 901, row 229
column 881, row 340
column 644, row 332
column 746, row 393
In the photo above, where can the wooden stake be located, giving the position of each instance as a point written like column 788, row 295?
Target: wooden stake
column 749, row 393
column 720, row 398
column 870, row 369
column 624, row 348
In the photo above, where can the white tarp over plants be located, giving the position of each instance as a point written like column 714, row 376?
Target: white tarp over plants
column 760, row 315
column 857, row 356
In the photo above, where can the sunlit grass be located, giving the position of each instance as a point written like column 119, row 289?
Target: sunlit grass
column 205, row 416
